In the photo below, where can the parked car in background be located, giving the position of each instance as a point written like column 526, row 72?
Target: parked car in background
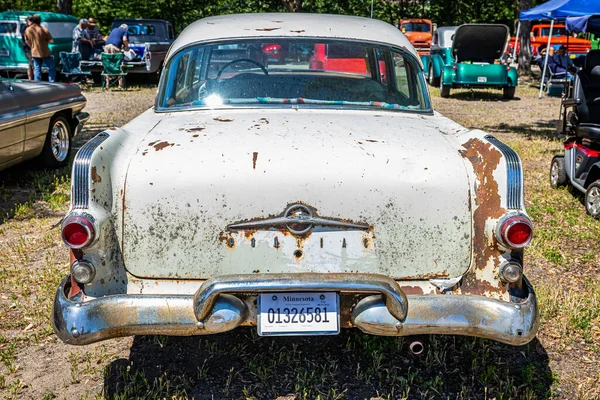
column 39, row 119
column 475, row 60
column 440, row 54
column 12, row 56
column 299, row 201
column 150, row 38
column 419, row 33
column 560, row 37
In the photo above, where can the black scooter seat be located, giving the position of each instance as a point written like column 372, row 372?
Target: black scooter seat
column 588, row 131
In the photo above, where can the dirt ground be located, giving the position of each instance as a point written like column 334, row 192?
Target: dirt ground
column 563, row 264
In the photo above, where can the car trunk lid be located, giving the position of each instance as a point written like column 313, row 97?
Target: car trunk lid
column 387, row 192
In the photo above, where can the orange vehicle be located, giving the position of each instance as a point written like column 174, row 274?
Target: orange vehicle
column 560, row 36
column 418, row 32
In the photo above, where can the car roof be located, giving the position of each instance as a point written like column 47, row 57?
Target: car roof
column 135, row 20
column 45, row 16
column 291, row 25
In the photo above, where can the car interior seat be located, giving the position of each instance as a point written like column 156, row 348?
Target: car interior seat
column 587, row 94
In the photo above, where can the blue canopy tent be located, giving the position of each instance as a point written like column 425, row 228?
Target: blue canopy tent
column 557, row 10
column 589, row 23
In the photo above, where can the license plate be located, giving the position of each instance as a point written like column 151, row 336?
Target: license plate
column 312, row 313
column 482, row 79
column 4, row 53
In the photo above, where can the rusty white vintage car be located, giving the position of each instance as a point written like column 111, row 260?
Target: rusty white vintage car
column 301, row 197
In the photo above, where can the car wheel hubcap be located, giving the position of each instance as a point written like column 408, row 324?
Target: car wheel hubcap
column 554, row 174
column 59, row 141
column 593, row 201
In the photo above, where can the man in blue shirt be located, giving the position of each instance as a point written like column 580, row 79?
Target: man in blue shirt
column 118, row 40
column 564, row 61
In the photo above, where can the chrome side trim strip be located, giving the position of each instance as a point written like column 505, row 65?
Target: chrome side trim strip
column 514, row 195
column 48, row 110
column 11, row 120
column 80, row 191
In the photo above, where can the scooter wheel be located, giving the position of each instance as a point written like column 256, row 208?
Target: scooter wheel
column 558, row 175
column 592, row 199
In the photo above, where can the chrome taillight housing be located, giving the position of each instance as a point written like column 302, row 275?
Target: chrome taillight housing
column 514, row 231
column 78, row 231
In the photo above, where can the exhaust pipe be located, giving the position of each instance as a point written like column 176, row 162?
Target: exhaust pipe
column 416, row 347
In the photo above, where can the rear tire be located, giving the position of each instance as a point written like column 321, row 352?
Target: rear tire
column 433, row 81
column 444, row 90
column 592, row 199
column 508, row 92
column 57, row 148
column 558, row 174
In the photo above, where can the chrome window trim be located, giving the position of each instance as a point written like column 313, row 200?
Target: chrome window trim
column 416, row 61
column 80, row 191
column 514, row 170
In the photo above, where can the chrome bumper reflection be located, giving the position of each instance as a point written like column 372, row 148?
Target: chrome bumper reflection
column 214, row 309
column 82, row 118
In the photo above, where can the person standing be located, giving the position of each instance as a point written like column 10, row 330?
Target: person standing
column 38, row 38
column 117, row 40
column 26, row 48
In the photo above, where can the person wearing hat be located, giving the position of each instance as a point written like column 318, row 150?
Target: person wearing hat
column 563, row 60
column 93, row 30
column 82, row 43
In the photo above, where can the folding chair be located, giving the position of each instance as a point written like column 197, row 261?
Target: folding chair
column 112, row 69
column 71, row 67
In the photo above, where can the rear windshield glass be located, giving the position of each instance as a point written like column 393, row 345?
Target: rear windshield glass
column 555, row 32
column 416, row 27
column 8, row 28
column 292, row 71
column 60, row 29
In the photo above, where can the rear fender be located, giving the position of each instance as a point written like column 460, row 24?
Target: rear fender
column 513, row 78
column 593, row 175
column 449, row 74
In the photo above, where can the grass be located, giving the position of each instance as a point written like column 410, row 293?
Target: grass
column 563, row 264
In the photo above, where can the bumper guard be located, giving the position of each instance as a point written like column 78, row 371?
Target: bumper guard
column 215, row 309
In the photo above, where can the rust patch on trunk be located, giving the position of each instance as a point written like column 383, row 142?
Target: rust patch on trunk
column 222, row 119
column 485, row 159
column 161, row 145
column 412, row 289
column 95, row 177
column 254, row 158
column 267, row 29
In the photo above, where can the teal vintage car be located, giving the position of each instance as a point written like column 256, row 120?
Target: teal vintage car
column 440, row 53
column 12, row 56
column 471, row 56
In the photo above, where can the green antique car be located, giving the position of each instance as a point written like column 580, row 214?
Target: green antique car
column 440, row 53
column 12, row 56
column 470, row 56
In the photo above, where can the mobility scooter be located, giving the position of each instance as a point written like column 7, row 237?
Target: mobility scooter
column 580, row 121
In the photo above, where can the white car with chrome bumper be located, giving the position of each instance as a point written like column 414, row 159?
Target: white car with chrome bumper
column 319, row 193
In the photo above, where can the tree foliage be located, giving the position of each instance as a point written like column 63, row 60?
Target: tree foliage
column 184, row 12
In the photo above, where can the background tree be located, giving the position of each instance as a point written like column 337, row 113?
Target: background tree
column 64, row 6
column 524, row 55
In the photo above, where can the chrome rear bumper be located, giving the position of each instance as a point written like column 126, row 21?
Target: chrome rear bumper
column 82, row 118
column 215, row 309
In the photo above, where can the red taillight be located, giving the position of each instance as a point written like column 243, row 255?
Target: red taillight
column 77, row 231
column 515, row 232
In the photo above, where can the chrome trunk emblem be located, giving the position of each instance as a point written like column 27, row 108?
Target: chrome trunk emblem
column 298, row 219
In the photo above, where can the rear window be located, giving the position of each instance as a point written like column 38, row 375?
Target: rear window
column 416, row 27
column 292, row 71
column 8, row 28
column 141, row 29
column 60, row 29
